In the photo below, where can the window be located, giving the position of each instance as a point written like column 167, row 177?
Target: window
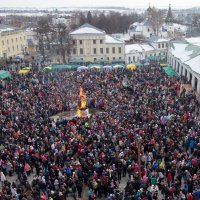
column 120, row 58
column 113, row 58
column 159, row 46
column 166, row 45
column 94, row 41
column 16, row 39
column 129, row 59
column 94, row 59
column 120, row 50
column 148, row 30
column 81, row 50
column 74, row 42
column 113, row 50
column 74, row 51
column 20, row 38
column 8, row 49
column 107, row 50
column 17, row 47
column 101, row 41
column 163, row 45
column 94, row 51
column 2, row 42
column 57, row 51
column 107, row 58
column 133, row 58
column 7, row 41
column 13, row 48
column 81, row 42
column 12, row 40
column 101, row 50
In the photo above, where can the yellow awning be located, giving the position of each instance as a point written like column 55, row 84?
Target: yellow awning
column 131, row 67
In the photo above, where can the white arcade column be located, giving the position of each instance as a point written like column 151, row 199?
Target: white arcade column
column 198, row 86
column 183, row 73
column 193, row 81
column 188, row 75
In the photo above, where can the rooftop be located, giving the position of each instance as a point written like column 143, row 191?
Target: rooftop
column 6, row 28
column 111, row 40
column 87, row 29
column 131, row 48
column 157, row 39
column 187, row 53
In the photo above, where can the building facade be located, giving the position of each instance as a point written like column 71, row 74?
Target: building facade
column 12, row 41
column 155, row 46
column 90, row 44
column 184, row 57
column 144, row 28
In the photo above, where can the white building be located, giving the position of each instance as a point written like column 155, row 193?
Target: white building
column 61, row 20
column 160, row 45
column 32, row 40
column 134, row 53
column 144, row 29
column 184, row 57
column 91, row 43
column 155, row 46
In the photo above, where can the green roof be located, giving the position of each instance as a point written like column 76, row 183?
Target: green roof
column 169, row 71
column 194, row 49
column 65, row 66
column 4, row 74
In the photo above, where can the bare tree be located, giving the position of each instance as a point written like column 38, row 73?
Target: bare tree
column 196, row 20
column 44, row 35
column 156, row 20
column 63, row 40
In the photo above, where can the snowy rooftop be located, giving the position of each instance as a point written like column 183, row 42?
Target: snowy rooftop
column 131, row 48
column 112, row 40
column 156, row 39
column 194, row 64
column 87, row 29
column 193, row 40
column 188, row 53
column 121, row 36
column 6, row 28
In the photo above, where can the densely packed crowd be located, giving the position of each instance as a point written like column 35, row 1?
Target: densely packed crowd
column 98, row 152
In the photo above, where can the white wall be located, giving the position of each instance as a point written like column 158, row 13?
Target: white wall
column 174, row 62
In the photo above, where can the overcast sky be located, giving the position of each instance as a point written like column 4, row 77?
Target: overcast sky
column 94, row 3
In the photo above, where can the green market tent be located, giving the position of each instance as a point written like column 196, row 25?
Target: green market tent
column 118, row 64
column 65, row 66
column 117, row 61
column 4, row 74
column 153, row 57
column 101, row 60
column 169, row 71
column 48, row 69
column 146, row 64
column 160, row 57
column 138, row 64
column 76, row 61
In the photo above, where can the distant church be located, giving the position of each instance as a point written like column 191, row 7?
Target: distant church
column 145, row 29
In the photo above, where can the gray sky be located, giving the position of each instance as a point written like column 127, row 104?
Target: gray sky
column 94, row 3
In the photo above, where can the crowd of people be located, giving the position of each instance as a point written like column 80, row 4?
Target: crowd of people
column 148, row 120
